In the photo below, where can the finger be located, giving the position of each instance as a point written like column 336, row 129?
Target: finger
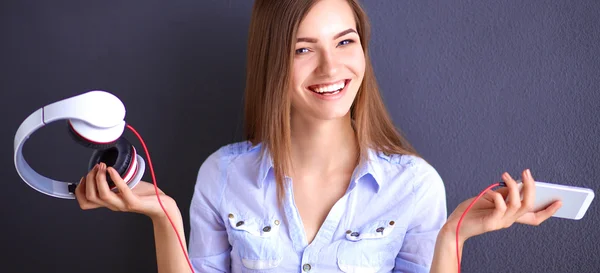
column 514, row 199
column 503, row 191
column 130, row 198
column 489, row 196
column 501, row 207
column 528, row 191
column 92, row 188
column 112, row 201
column 537, row 218
column 80, row 196
column 101, row 179
column 546, row 213
column 496, row 218
column 90, row 185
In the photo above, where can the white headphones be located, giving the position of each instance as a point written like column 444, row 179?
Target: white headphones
column 95, row 120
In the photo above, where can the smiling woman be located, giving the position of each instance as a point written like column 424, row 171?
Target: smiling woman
column 324, row 181
column 327, row 90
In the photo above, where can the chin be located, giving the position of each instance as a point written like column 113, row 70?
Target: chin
column 333, row 115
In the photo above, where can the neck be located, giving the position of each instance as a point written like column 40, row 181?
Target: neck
column 323, row 147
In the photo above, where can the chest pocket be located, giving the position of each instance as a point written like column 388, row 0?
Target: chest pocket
column 257, row 240
column 371, row 247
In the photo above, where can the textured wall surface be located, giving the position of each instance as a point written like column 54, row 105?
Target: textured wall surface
column 479, row 87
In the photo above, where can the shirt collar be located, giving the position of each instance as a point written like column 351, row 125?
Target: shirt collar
column 369, row 167
column 368, row 170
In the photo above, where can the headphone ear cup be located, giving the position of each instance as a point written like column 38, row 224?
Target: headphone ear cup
column 121, row 157
column 87, row 143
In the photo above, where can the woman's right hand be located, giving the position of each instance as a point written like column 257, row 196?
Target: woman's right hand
column 93, row 192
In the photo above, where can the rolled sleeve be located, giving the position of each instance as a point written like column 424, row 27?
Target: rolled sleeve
column 429, row 215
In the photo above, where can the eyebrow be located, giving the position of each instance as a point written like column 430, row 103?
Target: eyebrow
column 313, row 40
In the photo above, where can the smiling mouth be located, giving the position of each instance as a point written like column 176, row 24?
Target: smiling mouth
column 330, row 88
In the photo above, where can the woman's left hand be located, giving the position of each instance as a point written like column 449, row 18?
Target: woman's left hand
column 491, row 212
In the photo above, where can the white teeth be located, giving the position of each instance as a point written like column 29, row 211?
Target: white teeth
column 329, row 88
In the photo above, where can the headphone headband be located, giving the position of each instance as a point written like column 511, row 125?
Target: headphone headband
column 97, row 115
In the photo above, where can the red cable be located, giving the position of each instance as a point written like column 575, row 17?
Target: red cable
column 463, row 215
column 157, row 195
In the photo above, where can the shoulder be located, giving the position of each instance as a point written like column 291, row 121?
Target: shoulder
column 405, row 163
column 213, row 170
column 226, row 154
column 238, row 148
column 415, row 170
column 233, row 159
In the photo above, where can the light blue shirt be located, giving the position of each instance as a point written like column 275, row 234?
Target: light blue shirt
column 387, row 221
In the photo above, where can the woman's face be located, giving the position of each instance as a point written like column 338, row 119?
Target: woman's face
column 329, row 62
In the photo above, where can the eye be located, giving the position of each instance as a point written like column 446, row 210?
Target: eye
column 302, row 50
column 346, row 42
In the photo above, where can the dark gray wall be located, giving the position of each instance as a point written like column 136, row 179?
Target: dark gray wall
column 479, row 87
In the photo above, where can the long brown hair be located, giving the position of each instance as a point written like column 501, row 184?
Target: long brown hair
column 267, row 98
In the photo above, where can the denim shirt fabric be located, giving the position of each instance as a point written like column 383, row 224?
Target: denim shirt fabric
column 387, row 221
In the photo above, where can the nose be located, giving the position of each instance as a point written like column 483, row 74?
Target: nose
column 328, row 64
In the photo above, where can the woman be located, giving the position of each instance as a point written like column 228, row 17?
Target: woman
column 324, row 182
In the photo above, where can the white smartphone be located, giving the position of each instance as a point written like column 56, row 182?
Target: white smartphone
column 575, row 200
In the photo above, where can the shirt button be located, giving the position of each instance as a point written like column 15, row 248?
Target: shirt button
column 306, row 267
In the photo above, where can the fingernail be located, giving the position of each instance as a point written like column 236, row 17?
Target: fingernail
column 529, row 173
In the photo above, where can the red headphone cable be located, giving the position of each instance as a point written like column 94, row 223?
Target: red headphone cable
column 502, row 184
column 158, row 196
